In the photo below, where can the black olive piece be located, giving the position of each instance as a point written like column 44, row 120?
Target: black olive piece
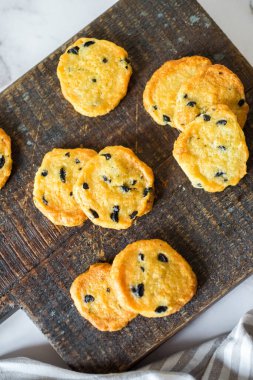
column 63, row 175
column 143, row 269
column 155, row 108
column 138, row 290
column 133, row 182
column 108, row 290
column 141, row 257
column 241, row 102
column 222, row 147
column 73, row 50
column 44, row 200
column 85, row 186
column 125, row 188
column 94, row 80
column 161, row 257
column 225, row 179
column 219, row 174
column 77, row 161
column 127, row 60
column 44, row 173
column 146, row 191
column 71, row 193
column 199, row 185
column 115, row 214
column 206, row 117
column 185, row 96
column 108, row 180
column 166, row 119
column 89, row 298
column 2, row 161
column 67, row 154
column 191, row 104
column 94, row 213
column 221, row 122
column 161, row 309
column 88, row 43
column 106, row 155
column 133, row 215
column 104, row 60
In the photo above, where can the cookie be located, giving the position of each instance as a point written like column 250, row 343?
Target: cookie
column 115, row 188
column 217, row 85
column 53, row 185
column 150, row 278
column 94, row 75
column 159, row 97
column 95, row 299
column 212, row 150
column 5, row 157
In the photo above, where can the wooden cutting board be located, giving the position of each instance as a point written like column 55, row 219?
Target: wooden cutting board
column 212, row 231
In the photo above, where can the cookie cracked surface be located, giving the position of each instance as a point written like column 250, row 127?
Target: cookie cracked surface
column 94, row 75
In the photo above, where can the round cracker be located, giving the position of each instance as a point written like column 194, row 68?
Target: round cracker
column 115, row 188
column 150, row 278
column 94, row 75
column 53, row 185
column 212, row 150
column 95, row 299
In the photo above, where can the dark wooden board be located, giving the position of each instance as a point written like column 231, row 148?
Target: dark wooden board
column 38, row 261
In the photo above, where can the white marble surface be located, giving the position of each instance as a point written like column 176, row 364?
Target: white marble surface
column 31, row 29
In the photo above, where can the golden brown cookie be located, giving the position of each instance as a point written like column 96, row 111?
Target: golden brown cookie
column 95, row 299
column 159, row 97
column 152, row 279
column 53, row 185
column 217, row 85
column 5, row 157
column 115, row 188
column 94, row 75
column 212, row 150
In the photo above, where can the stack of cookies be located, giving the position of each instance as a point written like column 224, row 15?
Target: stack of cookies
column 207, row 103
column 148, row 278
column 111, row 188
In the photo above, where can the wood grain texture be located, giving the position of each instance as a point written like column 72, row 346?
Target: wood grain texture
column 212, row 231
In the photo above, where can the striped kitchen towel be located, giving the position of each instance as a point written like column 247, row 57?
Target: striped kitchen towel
column 224, row 358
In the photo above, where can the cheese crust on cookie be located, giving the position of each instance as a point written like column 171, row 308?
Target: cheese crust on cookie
column 159, row 97
column 5, row 157
column 212, row 150
column 95, row 299
column 115, row 188
column 152, row 279
column 217, row 85
column 94, row 75
column 53, row 185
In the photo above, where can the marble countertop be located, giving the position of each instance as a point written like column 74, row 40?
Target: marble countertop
column 30, row 30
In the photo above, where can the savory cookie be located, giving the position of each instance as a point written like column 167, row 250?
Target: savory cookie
column 159, row 97
column 212, row 150
column 53, row 185
column 94, row 75
column 150, row 278
column 217, row 85
column 115, row 187
column 5, row 157
column 95, row 299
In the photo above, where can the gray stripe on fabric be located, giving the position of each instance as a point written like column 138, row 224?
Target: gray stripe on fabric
column 184, row 359
column 236, row 355
column 249, row 329
column 198, row 371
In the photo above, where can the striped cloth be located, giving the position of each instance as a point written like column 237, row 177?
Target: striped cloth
column 224, row 358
